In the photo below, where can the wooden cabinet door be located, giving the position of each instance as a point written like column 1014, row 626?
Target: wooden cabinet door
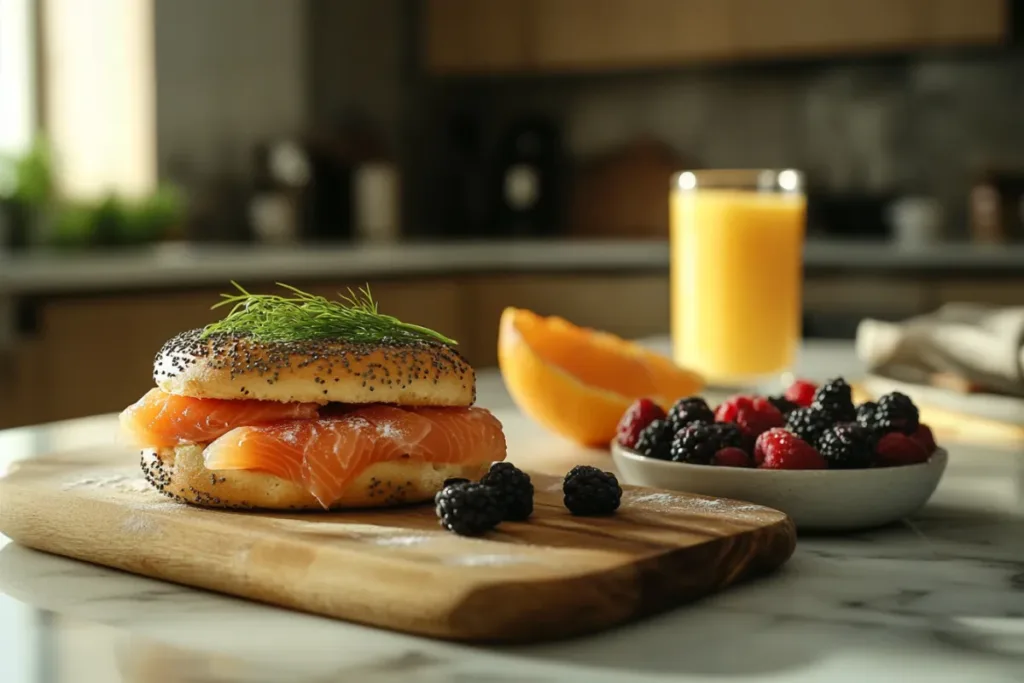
column 831, row 27
column 791, row 27
column 629, row 305
column 490, row 36
column 99, row 350
column 476, row 36
column 570, row 35
column 951, row 22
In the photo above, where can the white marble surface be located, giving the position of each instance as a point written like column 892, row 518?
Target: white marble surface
column 180, row 264
column 939, row 597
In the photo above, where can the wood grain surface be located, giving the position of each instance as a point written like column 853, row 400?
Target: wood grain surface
column 552, row 577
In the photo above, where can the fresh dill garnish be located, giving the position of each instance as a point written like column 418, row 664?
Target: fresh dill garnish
column 304, row 317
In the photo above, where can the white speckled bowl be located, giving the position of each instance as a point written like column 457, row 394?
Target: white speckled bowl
column 816, row 500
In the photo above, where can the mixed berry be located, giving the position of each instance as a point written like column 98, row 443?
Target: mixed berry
column 807, row 427
column 505, row 494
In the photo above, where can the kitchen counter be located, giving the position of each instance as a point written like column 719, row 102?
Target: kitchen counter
column 179, row 265
column 939, row 597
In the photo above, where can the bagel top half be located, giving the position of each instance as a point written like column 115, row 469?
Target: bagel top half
column 418, row 373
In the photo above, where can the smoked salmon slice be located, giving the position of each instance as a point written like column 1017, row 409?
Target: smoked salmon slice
column 326, row 454
column 162, row 420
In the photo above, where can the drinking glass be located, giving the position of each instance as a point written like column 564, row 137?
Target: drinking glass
column 736, row 273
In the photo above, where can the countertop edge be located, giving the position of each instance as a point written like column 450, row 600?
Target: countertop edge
column 177, row 264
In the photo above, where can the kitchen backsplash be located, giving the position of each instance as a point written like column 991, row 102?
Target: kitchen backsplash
column 921, row 125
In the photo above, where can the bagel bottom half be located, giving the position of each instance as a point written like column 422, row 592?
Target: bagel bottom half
column 179, row 473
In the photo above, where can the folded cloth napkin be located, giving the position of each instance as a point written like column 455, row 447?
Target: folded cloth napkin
column 981, row 344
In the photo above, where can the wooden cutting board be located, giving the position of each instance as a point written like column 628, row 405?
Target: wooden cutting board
column 552, row 577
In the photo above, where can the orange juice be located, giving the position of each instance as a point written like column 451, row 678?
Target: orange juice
column 737, row 262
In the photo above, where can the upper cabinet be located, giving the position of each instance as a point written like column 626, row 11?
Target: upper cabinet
column 481, row 36
column 568, row 35
column 565, row 36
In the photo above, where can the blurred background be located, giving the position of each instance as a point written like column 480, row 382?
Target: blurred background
column 464, row 155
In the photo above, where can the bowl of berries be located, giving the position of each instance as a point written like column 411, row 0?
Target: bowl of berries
column 812, row 453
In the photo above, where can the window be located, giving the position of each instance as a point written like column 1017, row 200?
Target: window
column 17, row 76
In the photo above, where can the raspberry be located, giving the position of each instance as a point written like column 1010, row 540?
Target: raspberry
column 895, row 412
column 655, row 440
column 589, row 491
column 923, row 436
column 847, row 446
column 784, row 405
column 809, row 423
column 468, row 509
column 514, row 489
column 836, row 398
column 696, row 444
column 895, row 449
column 641, row 413
column 731, row 457
column 754, row 414
column 728, row 410
column 689, row 410
column 801, row 392
column 778, row 449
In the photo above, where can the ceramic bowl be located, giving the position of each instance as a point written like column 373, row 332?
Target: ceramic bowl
column 816, row 500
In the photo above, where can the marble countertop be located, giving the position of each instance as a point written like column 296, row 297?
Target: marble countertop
column 939, row 597
column 195, row 265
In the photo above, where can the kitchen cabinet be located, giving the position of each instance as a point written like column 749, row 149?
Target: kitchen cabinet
column 613, row 34
column 548, row 36
column 476, row 35
column 22, row 387
column 632, row 306
column 835, row 27
column 100, row 349
column 995, row 291
column 94, row 353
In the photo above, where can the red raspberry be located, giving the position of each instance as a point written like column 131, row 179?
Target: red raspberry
column 923, row 436
column 778, row 449
column 895, row 449
column 801, row 392
column 731, row 457
column 643, row 412
column 754, row 414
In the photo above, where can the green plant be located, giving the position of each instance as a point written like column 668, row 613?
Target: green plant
column 113, row 221
column 153, row 217
column 29, row 177
column 73, row 226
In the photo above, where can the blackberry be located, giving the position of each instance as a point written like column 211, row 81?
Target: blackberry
column 696, row 444
column 689, row 410
column 469, row 509
column 655, row 440
column 847, row 446
column 731, row 434
column 866, row 414
column 809, row 423
column 783, row 404
column 514, row 489
column 895, row 413
column 836, row 398
column 589, row 491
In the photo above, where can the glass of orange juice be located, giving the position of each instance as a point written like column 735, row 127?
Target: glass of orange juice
column 737, row 270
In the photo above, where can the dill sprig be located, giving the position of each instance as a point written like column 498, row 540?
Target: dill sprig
column 303, row 317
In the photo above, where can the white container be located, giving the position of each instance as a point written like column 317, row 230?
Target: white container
column 376, row 195
column 816, row 500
